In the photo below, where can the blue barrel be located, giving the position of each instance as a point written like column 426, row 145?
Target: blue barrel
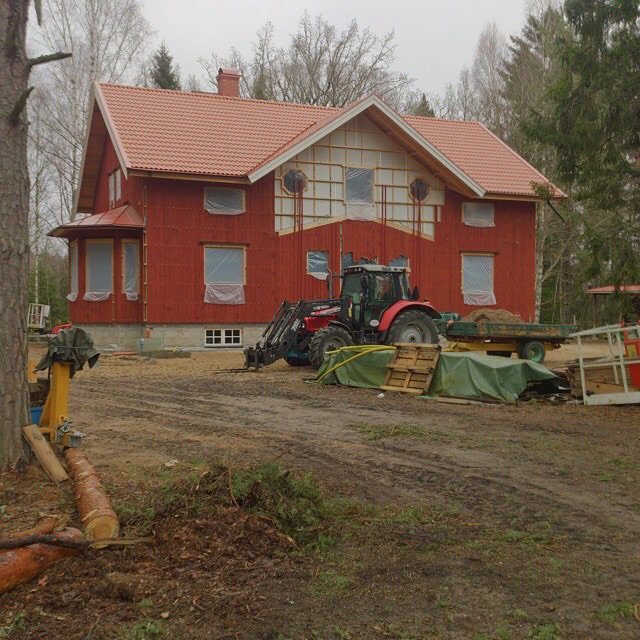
column 36, row 414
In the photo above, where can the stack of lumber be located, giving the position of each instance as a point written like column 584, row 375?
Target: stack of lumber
column 600, row 379
column 412, row 368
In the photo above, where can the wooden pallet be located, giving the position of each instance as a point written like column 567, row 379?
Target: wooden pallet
column 412, row 367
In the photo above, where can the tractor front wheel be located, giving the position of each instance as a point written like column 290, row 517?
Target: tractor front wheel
column 413, row 326
column 328, row 339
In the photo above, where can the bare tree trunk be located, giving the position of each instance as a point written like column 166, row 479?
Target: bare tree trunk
column 14, row 236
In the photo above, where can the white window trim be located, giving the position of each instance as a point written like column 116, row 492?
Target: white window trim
column 86, row 262
column 223, row 338
column 74, row 250
column 214, row 213
column 112, row 190
column 224, row 246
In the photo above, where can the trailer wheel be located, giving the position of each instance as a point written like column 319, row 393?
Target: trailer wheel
column 533, row 350
column 413, row 326
column 328, row 339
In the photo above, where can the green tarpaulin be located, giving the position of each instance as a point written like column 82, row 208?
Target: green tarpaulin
column 461, row 375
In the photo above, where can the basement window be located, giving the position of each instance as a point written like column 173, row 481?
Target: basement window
column 358, row 184
column 478, row 214
column 224, row 201
column 223, row 337
column 477, row 279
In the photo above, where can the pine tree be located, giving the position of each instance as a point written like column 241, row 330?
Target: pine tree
column 423, row 108
column 164, row 74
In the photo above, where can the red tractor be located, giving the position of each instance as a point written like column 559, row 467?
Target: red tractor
column 376, row 306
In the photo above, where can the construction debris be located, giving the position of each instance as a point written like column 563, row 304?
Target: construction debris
column 411, row 368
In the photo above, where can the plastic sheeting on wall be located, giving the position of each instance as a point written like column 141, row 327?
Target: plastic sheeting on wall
column 96, row 296
column 358, row 185
column 131, row 268
column 347, row 259
column 318, row 264
column 224, row 294
column 221, row 200
column 478, row 214
column 131, row 296
column 73, row 271
column 72, row 297
column 99, row 267
column 477, row 280
column 224, row 265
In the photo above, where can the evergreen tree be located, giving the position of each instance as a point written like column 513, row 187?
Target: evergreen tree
column 164, row 74
column 423, row 108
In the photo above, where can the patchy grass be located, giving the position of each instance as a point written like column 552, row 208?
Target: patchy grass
column 330, row 583
column 545, row 632
column 383, row 431
column 13, row 627
column 144, row 630
column 615, row 614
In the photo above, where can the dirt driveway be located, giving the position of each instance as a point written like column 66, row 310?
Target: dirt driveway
column 554, row 488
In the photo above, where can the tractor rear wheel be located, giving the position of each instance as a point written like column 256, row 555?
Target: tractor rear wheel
column 328, row 339
column 413, row 326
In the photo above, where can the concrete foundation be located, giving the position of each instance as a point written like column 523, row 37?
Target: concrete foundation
column 187, row 336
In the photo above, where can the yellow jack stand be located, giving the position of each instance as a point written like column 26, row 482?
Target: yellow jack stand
column 54, row 422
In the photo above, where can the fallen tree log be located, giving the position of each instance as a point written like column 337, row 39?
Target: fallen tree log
column 98, row 517
column 21, row 565
column 54, row 540
column 44, row 525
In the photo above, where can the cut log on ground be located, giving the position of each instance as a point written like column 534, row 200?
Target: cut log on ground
column 45, row 454
column 98, row 517
column 21, row 565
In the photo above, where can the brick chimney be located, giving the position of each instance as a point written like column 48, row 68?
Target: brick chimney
column 228, row 81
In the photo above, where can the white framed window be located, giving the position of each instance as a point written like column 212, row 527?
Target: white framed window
column 131, row 268
column 224, row 201
column 318, row 264
column 99, row 270
column 73, row 271
column 358, row 185
column 477, row 279
column 118, row 178
column 223, row 337
column 478, row 214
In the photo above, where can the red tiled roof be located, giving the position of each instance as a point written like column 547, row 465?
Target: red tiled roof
column 201, row 133
column 608, row 289
column 125, row 217
column 482, row 155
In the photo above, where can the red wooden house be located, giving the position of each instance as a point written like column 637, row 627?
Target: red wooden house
column 207, row 210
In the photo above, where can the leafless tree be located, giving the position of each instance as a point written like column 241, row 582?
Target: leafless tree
column 486, row 77
column 107, row 38
column 15, row 68
column 321, row 66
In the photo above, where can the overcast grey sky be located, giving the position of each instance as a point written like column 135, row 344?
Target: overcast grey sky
column 435, row 38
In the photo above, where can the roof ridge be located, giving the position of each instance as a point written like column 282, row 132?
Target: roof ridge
column 217, row 96
column 432, row 118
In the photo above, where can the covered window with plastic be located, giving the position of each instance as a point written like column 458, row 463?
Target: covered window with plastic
column 400, row 261
column 318, row 264
column 131, row 269
column 73, row 271
column 359, row 193
column 99, row 270
column 478, row 214
column 477, row 280
column 224, row 275
column 224, row 201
